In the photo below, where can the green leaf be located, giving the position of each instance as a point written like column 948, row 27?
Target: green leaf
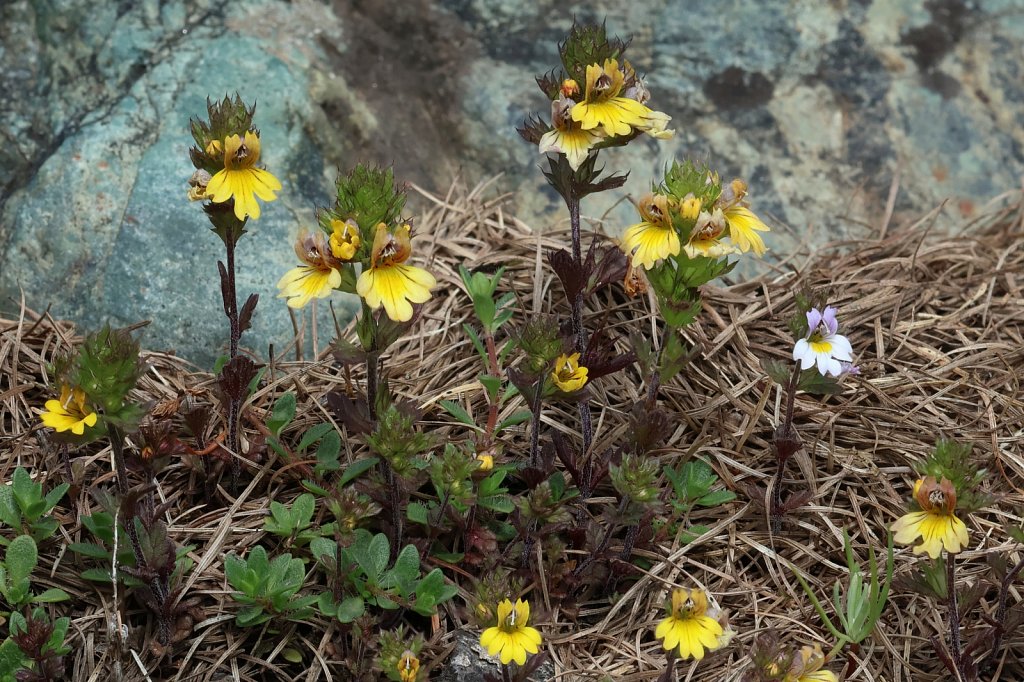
column 515, row 419
column 60, row 632
column 350, row 608
column 491, row 384
column 713, row 499
column 291, row 655
column 302, row 510
column 460, row 414
column 407, row 565
column 282, row 413
column 21, row 559
column 312, row 435
column 417, row 513
column 777, row 370
column 475, row 339
column 9, row 512
column 378, row 553
column 327, row 453
column 89, row 549
column 55, row 495
column 323, row 547
column 11, row 660
column 357, row 469
column 50, row 596
column 813, row 382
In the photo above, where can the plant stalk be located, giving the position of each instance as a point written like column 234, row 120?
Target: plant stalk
column 579, row 334
column 955, row 648
column 786, row 443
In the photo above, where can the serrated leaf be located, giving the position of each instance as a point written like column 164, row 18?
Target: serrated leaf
column 515, row 419
column 777, row 370
column 417, row 513
column 459, row 412
column 814, row 383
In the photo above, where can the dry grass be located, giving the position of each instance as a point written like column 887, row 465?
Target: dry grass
column 936, row 323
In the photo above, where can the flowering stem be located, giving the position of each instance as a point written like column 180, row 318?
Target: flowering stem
column 492, row 413
column 538, row 402
column 786, row 442
column 230, row 295
column 371, row 384
column 580, row 336
column 954, row 616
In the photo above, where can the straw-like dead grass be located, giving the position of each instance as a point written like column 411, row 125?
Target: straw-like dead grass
column 935, row 322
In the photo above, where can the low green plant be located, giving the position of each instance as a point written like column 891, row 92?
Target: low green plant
column 25, row 508
column 35, row 650
column 860, row 605
column 295, row 523
column 693, row 486
column 268, row 589
column 366, row 579
column 19, row 561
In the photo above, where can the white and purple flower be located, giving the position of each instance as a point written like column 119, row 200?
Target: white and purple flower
column 823, row 346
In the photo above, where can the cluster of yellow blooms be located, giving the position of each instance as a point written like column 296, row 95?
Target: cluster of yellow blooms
column 727, row 227
column 613, row 105
column 240, row 179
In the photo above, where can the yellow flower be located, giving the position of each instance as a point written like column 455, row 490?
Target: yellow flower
column 317, row 279
column 388, row 282
column 705, row 238
column 345, row 239
column 807, row 667
column 240, row 179
column 743, row 224
column 689, row 207
column 408, row 667
column 486, row 462
column 602, row 105
column 688, row 626
column 69, row 413
column 936, row 524
column 511, row 638
column 654, row 238
column 568, row 375
column 567, row 136
column 656, row 125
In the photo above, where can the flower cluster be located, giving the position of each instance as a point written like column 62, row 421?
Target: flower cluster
column 511, row 639
column 226, row 159
column 597, row 99
column 688, row 227
column 935, row 524
column 94, row 380
column 692, row 625
column 695, row 215
column 363, row 228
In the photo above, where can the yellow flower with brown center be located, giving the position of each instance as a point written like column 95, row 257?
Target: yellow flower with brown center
column 567, row 136
column 344, row 239
column 568, row 375
column 240, row 179
column 317, row 278
column 69, row 413
column 743, row 224
column 408, row 667
column 511, row 639
column 602, row 106
column 390, row 283
column 936, row 524
column 688, row 625
column 705, row 238
column 807, row 667
column 654, row 238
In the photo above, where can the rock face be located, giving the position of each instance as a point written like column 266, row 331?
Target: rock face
column 817, row 105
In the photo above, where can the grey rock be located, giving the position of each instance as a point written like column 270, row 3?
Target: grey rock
column 817, row 105
column 469, row 662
